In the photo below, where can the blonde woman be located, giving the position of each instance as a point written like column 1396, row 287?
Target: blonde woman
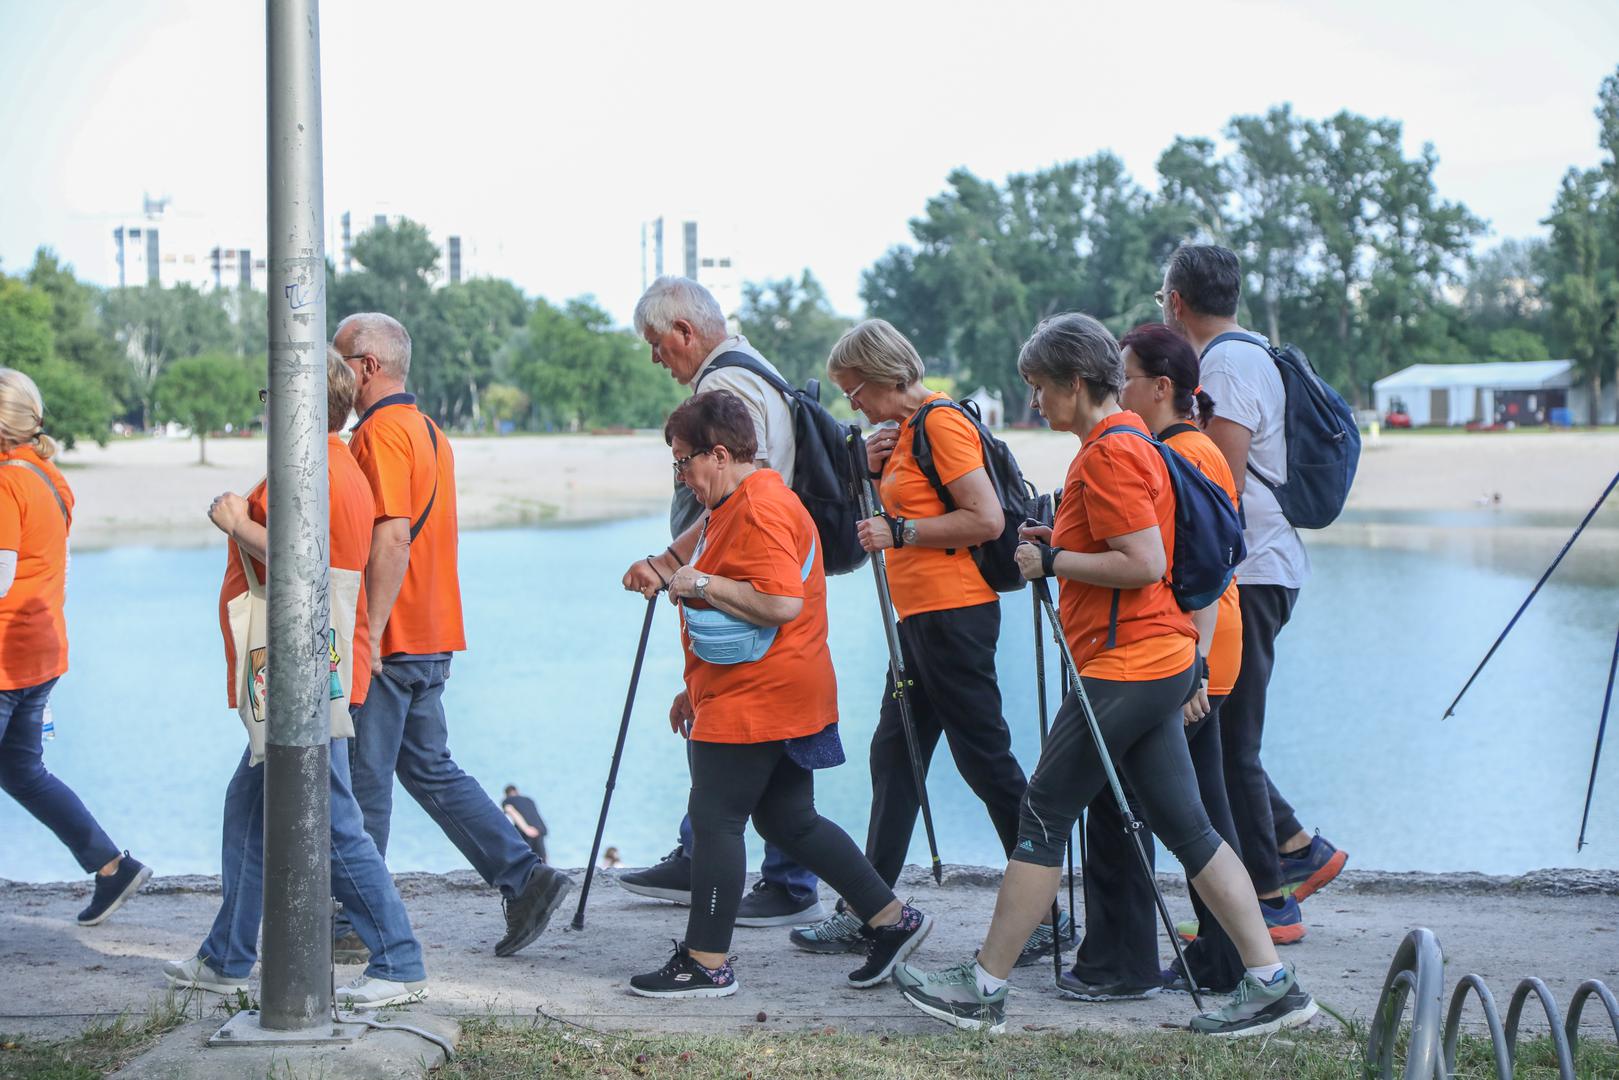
column 36, row 512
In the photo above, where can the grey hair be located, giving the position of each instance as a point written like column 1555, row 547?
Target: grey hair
column 383, row 337
column 1071, row 348
column 670, row 298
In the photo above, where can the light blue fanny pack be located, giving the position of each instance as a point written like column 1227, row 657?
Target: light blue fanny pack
column 721, row 638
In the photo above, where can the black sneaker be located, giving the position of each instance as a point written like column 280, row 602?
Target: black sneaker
column 839, row 932
column 1174, row 981
column 1259, row 1008
column 669, row 880
column 886, row 946
column 683, row 977
column 1037, row 950
column 115, row 888
column 528, row 914
column 1072, row 987
column 772, row 904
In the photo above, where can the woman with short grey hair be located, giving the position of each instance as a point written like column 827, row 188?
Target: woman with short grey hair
column 1136, row 653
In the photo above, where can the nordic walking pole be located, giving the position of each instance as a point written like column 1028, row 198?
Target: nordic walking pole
column 896, row 659
column 1532, row 594
column 1132, row 826
column 1596, row 754
column 1040, row 698
column 618, row 752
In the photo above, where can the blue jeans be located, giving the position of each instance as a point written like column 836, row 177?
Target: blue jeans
column 401, row 729
column 24, row 777
column 359, row 879
column 777, row 867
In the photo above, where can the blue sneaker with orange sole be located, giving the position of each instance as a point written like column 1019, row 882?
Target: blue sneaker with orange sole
column 1311, row 869
column 1286, row 923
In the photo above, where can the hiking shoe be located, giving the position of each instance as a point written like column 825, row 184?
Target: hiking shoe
column 669, row 880
column 1312, row 869
column 349, row 949
column 115, row 888
column 952, row 995
column 1258, row 1008
column 838, row 932
column 888, row 945
column 1286, row 924
column 368, row 992
column 528, row 914
column 1037, row 949
column 683, row 977
column 195, row 973
column 772, row 904
column 1173, row 981
column 1073, row 987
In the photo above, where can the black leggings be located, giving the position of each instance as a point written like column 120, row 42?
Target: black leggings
column 1141, row 724
column 730, row 782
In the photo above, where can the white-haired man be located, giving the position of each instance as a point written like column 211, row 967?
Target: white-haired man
column 414, row 598
column 686, row 329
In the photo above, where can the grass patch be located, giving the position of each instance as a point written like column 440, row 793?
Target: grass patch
column 101, row 1049
column 489, row 1050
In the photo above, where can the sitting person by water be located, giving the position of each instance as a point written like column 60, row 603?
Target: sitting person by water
column 760, row 704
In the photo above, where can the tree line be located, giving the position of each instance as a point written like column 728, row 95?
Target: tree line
column 1348, row 248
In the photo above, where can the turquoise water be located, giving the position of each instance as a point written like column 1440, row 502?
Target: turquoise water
column 1379, row 644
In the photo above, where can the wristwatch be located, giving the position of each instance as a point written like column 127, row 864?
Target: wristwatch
column 701, row 585
column 907, row 531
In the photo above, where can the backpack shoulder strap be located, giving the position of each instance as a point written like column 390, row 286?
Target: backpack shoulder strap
column 43, row 475
column 738, row 358
column 922, row 450
column 421, row 522
column 1175, row 429
column 1237, row 335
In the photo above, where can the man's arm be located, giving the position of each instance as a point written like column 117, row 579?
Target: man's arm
column 1233, row 440
column 384, row 574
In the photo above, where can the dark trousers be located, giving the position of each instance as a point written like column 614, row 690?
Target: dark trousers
column 1121, row 915
column 1261, row 814
column 24, row 777
column 950, row 656
column 731, row 782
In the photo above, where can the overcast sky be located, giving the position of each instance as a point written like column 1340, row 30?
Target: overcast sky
column 808, row 133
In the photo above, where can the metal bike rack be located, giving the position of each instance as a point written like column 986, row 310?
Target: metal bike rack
column 1418, row 971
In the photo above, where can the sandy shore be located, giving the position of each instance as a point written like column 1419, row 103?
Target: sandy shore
column 151, row 491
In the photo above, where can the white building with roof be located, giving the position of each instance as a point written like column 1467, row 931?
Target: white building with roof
column 1508, row 392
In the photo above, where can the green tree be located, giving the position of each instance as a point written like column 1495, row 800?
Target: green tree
column 502, row 403
column 83, row 342
column 792, row 323
column 206, row 393
column 156, row 326
column 456, row 342
column 75, row 405
column 399, row 264
column 580, row 372
column 1271, row 232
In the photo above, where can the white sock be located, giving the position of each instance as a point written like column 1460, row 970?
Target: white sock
column 987, row 983
column 1266, row 973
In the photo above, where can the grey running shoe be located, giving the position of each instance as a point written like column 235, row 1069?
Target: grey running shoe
column 1259, row 1008
column 837, row 933
column 952, row 995
column 1037, row 950
column 669, row 880
column 771, row 904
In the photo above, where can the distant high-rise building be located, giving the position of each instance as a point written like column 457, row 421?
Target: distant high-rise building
column 670, row 245
column 453, row 257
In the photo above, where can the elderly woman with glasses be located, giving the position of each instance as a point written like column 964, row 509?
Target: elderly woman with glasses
column 760, row 704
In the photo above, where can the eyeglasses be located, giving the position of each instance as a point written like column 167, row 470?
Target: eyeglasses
column 849, row 395
column 1161, row 297
column 682, row 464
column 264, row 396
column 363, row 355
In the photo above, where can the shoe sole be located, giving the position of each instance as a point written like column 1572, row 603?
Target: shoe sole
column 1134, row 995
column 118, row 901
column 899, row 957
column 560, row 887
column 1292, row 1019
column 652, row 892
column 1279, row 935
column 701, row 992
column 1322, row 877
column 966, row 1023
column 408, row 998
column 222, row 989
column 796, row 918
column 827, row 948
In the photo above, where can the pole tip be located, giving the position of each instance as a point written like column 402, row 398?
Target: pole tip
column 579, row 921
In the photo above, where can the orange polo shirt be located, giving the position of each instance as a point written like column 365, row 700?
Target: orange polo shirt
column 33, row 627
column 397, row 455
column 349, row 498
column 1116, row 486
column 926, row 578
column 761, row 534
column 1225, row 651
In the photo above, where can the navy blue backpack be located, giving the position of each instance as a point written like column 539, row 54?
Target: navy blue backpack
column 1323, row 440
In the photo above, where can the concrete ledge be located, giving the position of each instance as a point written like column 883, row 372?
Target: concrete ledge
column 184, row 1054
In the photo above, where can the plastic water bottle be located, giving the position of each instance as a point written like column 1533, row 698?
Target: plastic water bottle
column 50, row 723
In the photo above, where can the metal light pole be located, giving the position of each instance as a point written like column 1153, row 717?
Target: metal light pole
column 296, row 994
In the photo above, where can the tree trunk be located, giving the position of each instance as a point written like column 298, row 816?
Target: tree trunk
column 202, row 448
column 1593, row 387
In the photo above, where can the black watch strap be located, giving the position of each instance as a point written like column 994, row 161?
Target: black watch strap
column 1048, row 558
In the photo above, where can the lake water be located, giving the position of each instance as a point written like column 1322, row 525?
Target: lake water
column 1380, row 642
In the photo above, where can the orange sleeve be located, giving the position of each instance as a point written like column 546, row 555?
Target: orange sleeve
column 1118, row 496
column 386, row 462
column 10, row 518
column 954, row 442
column 772, row 564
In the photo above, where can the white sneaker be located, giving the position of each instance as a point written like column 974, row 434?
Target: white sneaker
column 366, row 992
column 196, row 974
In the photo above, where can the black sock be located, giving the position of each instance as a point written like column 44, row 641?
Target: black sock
column 1296, row 853
column 1275, row 904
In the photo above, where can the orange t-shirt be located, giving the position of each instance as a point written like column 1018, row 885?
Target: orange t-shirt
column 926, row 578
column 33, row 628
column 1225, row 651
column 349, row 499
column 397, row 455
column 1116, row 486
column 761, row 534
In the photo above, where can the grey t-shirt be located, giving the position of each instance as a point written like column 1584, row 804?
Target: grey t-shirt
column 1242, row 379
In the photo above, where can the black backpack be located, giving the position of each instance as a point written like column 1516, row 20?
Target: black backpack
column 1323, row 440
column 823, row 471
column 996, row 560
column 1208, row 533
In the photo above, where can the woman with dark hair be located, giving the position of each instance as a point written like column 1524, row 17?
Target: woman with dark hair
column 760, row 706
column 1118, row 958
column 1136, row 653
